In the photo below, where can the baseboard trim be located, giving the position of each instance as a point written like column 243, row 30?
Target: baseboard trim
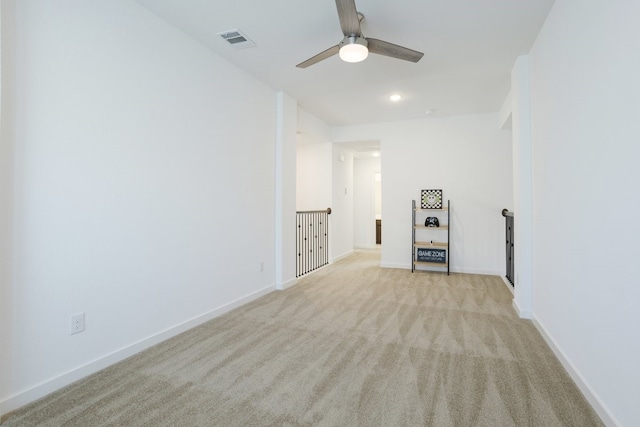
column 287, row 285
column 592, row 397
column 475, row 271
column 365, row 247
column 401, row 266
column 343, row 256
column 16, row 401
column 452, row 269
column 523, row 314
column 507, row 284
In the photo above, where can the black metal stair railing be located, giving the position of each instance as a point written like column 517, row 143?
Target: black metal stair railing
column 509, row 245
column 312, row 240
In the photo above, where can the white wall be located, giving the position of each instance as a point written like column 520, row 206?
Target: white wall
column 313, row 177
column 312, row 130
column 364, row 201
column 378, row 195
column 466, row 156
column 6, row 198
column 585, row 109
column 313, row 163
column 142, row 198
column 285, row 194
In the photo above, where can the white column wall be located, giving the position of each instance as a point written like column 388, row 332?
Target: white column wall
column 6, row 193
column 522, row 186
column 285, row 170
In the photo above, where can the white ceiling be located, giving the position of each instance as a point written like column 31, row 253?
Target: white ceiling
column 470, row 47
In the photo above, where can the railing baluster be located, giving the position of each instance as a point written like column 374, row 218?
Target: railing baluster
column 509, row 248
column 312, row 240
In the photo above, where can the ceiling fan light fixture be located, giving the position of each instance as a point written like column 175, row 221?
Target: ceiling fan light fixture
column 354, row 49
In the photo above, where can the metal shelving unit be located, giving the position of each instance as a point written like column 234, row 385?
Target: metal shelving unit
column 428, row 243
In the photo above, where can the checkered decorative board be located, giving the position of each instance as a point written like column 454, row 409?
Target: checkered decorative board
column 431, row 199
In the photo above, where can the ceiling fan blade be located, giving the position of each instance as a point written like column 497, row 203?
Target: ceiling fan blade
column 349, row 21
column 319, row 57
column 393, row 50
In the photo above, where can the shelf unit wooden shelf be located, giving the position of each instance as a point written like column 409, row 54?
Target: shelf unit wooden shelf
column 428, row 244
column 421, row 256
column 431, row 264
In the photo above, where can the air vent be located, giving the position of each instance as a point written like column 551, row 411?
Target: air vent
column 237, row 39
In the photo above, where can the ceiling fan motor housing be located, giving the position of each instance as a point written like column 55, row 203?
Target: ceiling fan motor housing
column 354, row 40
column 354, row 49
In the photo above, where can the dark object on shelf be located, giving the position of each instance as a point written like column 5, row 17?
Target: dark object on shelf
column 431, row 221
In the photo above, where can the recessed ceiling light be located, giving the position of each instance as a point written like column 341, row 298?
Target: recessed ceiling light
column 395, row 97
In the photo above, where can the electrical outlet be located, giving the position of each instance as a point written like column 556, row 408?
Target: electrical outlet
column 77, row 323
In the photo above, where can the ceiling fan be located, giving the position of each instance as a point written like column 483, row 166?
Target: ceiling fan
column 355, row 47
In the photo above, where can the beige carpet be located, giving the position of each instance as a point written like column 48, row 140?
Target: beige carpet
column 350, row 345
